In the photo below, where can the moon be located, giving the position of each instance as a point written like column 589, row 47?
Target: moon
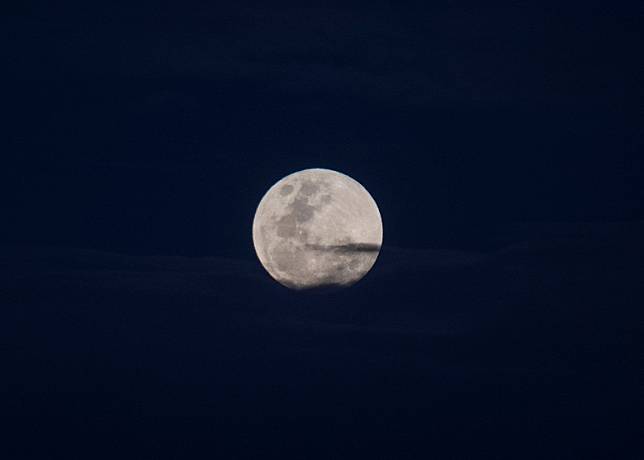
column 317, row 228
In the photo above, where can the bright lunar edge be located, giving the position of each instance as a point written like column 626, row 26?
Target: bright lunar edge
column 317, row 228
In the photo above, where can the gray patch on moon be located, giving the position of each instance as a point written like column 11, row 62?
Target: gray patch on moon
column 354, row 264
column 288, row 259
column 286, row 190
column 309, row 188
column 302, row 210
column 287, row 226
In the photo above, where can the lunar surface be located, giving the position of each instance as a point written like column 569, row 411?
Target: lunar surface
column 317, row 228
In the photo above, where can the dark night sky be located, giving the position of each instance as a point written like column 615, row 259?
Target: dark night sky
column 502, row 142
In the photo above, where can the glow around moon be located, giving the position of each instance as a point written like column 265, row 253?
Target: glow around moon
column 317, row 228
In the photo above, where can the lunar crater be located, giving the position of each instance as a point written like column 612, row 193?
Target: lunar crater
column 286, row 190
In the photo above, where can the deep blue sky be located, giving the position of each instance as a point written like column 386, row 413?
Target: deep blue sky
column 158, row 128
column 502, row 142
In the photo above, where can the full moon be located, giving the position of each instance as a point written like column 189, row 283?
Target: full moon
column 317, row 228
